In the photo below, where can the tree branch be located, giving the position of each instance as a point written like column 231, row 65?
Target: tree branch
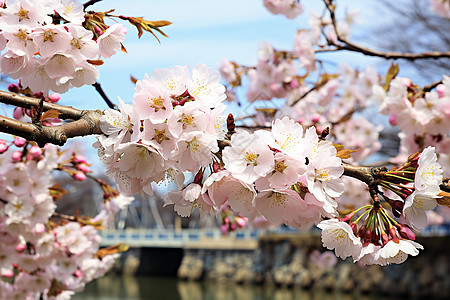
column 102, row 93
column 350, row 46
column 431, row 86
column 67, row 112
column 89, row 3
column 87, row 124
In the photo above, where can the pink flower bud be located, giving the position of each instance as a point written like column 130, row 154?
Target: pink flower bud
column 241, row 222
column 233, row 226
column 84, row 167
column 18, row 113
column 226, row 220
column 368, row 235
column 39, row 228
column 393, row 233
column 7, row 273
column 28, row 112
column 16, row 156
column 406, row 81
column 315, row 118
column 393, row 119
column 35, row 151
column 294, row 84
column 79, row 159
column 224, row 229
column 347, row 217
column 80, row 176
column 354, row 227
column 98, row 30
column 54, row 97
column 78, row 273
column 440, row 89
column 38, row 94
column 406, row 232
column 19, row 142
column 384, row 238
column 216, row 167
column 13, row 88
column 52, row 122
column 21, row 247
column 3, row 147
column 300, row 120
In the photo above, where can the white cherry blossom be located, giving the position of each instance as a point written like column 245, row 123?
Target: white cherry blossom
column 340, row 237
column 396, row 252
column 110, row 41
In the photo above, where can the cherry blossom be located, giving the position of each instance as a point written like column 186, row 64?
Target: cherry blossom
column 340, row 237
column 110, row 40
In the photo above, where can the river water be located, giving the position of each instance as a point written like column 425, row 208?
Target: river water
column 114, row 287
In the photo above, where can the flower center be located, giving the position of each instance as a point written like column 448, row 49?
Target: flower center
column 251, row 158
column 157, row 103
column 76, row 43
column 23, row 14
column 194, row 145
column 186, row 120
column 280, row 166
column 160, row 136
column 49, row 35
column 323, row 175
column 278, row 199
column 22, row 35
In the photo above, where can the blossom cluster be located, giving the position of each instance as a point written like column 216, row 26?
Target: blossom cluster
column 43, row 254
column 422, row 116
column 381, row 239
column 47, row 47
column 289, row 8
column 441, row 7
column 330, row 104
column 175, row 125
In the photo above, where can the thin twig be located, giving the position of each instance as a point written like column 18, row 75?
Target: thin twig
column 102, row 93
column 304, row 95
column 350, row 46
column 431, row 86
column 89, row 3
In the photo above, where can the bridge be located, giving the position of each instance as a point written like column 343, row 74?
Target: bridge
column 209, row 238
column 183, row 238
column 143, row 226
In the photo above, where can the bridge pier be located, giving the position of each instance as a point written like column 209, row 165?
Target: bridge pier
column 159, row 261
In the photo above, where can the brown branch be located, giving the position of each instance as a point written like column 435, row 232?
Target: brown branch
column 67, row 112
column 431, row 86
column 102, row 94
column 89, row 3
column 445, row 186
column 304, row 95
column 87, row 124
column 350, row 46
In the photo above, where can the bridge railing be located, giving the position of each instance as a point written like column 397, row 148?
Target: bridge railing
column 209, row 238
column 170, row 238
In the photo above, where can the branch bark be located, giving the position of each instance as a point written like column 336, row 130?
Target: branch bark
column 86, row 121
column 67, row 112
column 87, row 124
column 350, row 46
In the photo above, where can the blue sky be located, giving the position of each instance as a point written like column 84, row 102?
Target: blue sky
column 206, row 31
column 202, row 31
